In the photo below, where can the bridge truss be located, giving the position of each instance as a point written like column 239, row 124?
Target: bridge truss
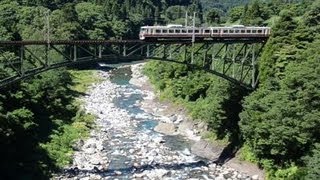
column 231, row 59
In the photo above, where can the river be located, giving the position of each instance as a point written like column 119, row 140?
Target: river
column 124, row 144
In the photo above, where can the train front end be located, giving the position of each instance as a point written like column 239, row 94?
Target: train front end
column 143, row 32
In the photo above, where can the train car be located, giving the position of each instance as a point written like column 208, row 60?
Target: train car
column 239, row 31
column 174, row 31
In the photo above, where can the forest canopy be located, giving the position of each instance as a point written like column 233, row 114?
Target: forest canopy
column 276, row 126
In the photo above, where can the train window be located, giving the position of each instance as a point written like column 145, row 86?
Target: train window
column 248, row 31
column 164, row 31
column 260, row 31
column 196, row 31
column 225, row 31
column 171, row 31
column 190, row 31
column 158, row 31
column 237, row 31
column 184, row 31
column 214, row 31
column 231, row 31
column 177, row 30
column 254, row 31
column 243, row 31
column 207, row 31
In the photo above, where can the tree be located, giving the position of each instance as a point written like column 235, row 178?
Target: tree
column 280, row 122
column 236, row 13
column 253, row 14
column 93, row 20
column 279, row 49
column 175, row 12
column 312, row 163
column 213, row 16
column 9, row 19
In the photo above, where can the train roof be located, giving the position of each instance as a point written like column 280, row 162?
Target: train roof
column 219, row 27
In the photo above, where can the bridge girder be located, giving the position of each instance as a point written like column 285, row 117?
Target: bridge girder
column 235, row 60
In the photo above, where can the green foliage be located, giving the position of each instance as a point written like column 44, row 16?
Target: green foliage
column 280, row 125
column 21, row 117
column 280, row 49
column 82, row 79
column 224, row 5
column 236, row 13
column 291, row 173
column 255, row 14
column 8, row 14
column 279, row 122
column 40, row 115
column 280, row 119
column 247, row 154
column 213, row 16
column 93, row 19
column 175, row 12
column 59, row 147
column 312, row 163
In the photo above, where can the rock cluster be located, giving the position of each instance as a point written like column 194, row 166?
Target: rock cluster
column 123, row 145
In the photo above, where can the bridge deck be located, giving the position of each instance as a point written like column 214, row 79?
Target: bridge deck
column 160, row 41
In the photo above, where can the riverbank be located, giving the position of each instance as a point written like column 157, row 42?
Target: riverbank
column 124, row 144
column 60, row 147
column 178, row 123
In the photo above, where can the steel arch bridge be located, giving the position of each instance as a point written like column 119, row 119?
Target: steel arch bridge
column 234, row 59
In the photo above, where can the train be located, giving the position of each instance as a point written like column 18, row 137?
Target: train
column 176, row 31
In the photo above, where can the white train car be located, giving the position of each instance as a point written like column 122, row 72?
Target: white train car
column 173, row 31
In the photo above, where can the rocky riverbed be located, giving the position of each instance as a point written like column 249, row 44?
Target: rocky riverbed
column 136, row 139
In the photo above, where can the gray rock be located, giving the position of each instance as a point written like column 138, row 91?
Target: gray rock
column 220, row 177
column 173, row 118
column 138, row 175
column 255, row 177
column 166, row 128
column 77, row 145
column 118, row 173
column 89, row 151
column 136, row 165
column 206, row 150
column 204, row 168
column 212, row 166
column 85, row 178
column 95, row 160
column 91, row 145
column 95, row 177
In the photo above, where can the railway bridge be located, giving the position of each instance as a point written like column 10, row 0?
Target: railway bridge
column 231, row 58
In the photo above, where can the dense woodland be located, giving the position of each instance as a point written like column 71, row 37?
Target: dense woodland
column 39, row 117
column 276, row 126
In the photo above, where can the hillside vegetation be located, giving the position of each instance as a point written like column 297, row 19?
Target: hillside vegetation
column 39, row 117
column 277, row 125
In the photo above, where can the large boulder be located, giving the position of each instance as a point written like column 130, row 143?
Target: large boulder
column 166, row 128
column 206, row 150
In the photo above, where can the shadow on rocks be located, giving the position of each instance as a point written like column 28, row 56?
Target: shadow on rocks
column 133, row 169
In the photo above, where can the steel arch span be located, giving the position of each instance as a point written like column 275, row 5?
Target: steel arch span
column 234, row 59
